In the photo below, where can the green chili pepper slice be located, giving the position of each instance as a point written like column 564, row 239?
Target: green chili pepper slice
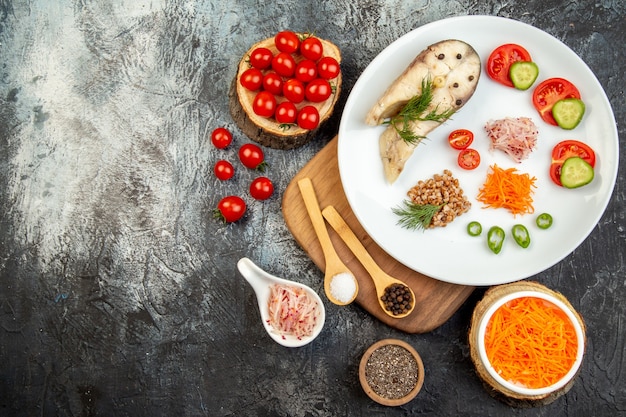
column 495, row 239
column 474, row 228
column 544, row 220
column 521, row 235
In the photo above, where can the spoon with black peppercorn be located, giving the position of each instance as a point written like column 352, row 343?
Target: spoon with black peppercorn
column 394, row 296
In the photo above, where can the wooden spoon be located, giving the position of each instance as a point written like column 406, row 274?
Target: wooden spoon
column 334, row 265
column 381, row 279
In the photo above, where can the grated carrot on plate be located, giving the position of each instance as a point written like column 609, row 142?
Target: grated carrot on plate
column 505, row 188
column 530, row 342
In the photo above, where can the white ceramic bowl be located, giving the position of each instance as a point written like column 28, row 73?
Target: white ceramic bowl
column 531, row 392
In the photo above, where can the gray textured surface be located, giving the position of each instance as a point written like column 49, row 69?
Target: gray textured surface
column 119, row 294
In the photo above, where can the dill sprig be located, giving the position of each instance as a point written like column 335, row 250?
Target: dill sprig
column 416, row 216
column 415, row 110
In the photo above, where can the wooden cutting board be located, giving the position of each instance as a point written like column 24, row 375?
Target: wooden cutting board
column 436, row 300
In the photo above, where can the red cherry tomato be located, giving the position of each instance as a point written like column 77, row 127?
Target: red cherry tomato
column 273, row 83
column 460, row 139
column 293, row 90
column 549, row 92
column 469, row 158
column 223, row 170
column 230, row 209
column 221, row 137
column 500, row 60
column 287, row 41
column 284, row 64
column 328, row 68
column 261, row 188
column 318, row 90
column 311, row 48
column 264, row 104
column 252, row 156
column 286, row 113
column 252, row 79
column 308, row 118
column 567, row 149
column 261, row 58
column 306, row 70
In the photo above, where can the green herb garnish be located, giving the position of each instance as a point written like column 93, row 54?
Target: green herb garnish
column 415, row 110
column 416, row 216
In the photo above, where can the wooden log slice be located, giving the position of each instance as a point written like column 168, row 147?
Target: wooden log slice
column 266, row 131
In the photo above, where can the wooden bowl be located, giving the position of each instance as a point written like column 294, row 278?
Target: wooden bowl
column 512, row 393
column 388, row 375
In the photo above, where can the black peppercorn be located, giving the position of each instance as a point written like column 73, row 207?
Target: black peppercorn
column 397, row 299
column 459, row 56
column 441, row 56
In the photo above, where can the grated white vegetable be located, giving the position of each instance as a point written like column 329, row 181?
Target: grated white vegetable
column 516, row 136
column 291, row 311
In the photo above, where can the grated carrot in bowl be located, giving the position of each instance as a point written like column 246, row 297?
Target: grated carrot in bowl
column 506, row 188
column 531, row 342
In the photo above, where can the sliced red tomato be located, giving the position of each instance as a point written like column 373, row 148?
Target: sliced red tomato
column 500, row 60
column 549, row 92
column 460, row 139
column 469, row 158
column 567, row 149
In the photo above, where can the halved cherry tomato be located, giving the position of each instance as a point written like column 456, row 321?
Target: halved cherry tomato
column 318, row 90
column 293, row 90
column 261, row 58
column 284, row 64
column 273, row 83
column 311, row 48
column 308, row 118
column 251, row 79
column 230, row 209
column 286, row 113
column 252, row 156
column 306, row 70
column 264, row 104
column 567, row 149
column 548, row 92
column 500, row 60
column 468, row 158
column 328, row 68
column 221, row 137
column 261, row 188
column 223, row 170
column 460, row 139
column 287, row 41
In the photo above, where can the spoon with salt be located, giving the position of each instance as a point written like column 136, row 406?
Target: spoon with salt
column 381, row 279
column 340, row 285
column 262, row 282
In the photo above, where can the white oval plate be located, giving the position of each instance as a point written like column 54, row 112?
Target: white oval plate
column 450, row 254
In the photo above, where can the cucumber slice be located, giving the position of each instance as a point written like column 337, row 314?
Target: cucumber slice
column 568, row 112
column 576, row 172
column 523, row 74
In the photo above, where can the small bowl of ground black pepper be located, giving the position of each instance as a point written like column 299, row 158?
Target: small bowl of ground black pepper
column 391, row 372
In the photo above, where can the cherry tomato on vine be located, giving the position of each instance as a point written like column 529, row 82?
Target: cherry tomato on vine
column 306, row 70
column 251, row 79
column 311, row 48
column 293, row 90
column 567, row 149
column 469, row 158
column 548, row 92
column 318, row 90
column 286, row 113
column 328, row 68
column 284, row 64
column 500, row 60
column 308, row 118
column 273, row 83
column 221, row 137
column 261, row 58
column 230, row 209
column 252, row 156
column 261, row 188
column 287, row 41
column 460, row 139
column 264, row 104
column 223, row 170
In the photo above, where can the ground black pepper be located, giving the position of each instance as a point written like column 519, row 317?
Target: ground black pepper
column 397, row 299
column 391, row 371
